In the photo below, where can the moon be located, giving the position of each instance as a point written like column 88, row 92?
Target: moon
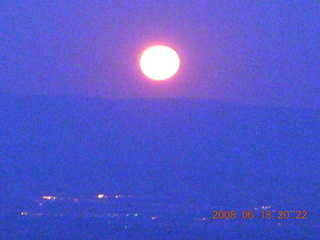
column 159, row 63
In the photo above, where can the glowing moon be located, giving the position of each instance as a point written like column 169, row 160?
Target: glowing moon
column 159, row 62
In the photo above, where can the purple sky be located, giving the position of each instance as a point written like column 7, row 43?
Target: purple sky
column 256, row 52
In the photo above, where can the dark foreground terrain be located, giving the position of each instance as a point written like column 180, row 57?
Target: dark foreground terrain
column 93, row 228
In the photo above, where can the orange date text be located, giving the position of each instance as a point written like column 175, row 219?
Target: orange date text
column 261, row 215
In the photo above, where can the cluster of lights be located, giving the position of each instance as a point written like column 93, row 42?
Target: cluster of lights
column 266, row 207
column 48, row 197
column 101, row 196
column 98, row 196
column 263, row 207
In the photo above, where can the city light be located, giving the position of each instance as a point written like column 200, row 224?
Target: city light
column 100, row 196
column 48, row 197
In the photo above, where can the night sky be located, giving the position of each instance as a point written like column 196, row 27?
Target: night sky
column 256, row 52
